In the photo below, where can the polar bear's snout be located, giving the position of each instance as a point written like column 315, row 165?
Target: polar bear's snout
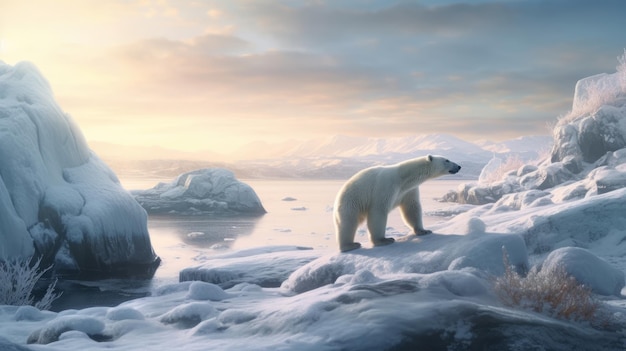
column 455, row 170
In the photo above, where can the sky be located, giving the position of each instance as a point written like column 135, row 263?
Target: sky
column 216, row 75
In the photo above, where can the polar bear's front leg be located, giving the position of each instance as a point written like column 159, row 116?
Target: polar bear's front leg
column 376, row 225
column 411, row 209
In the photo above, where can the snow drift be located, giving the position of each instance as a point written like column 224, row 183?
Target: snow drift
column 58, row 200
column 203, row 191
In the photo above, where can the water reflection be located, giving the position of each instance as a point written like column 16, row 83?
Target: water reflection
column 202, row 232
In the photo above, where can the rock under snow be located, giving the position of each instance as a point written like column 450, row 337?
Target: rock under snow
column 204, row 191
column 477, row 252
column 588, row 269
column 251, row 266
column 58, row 200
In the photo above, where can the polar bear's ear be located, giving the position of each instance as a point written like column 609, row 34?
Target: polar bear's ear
column 430, row 158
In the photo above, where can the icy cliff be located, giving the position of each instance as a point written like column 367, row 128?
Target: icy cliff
column 203, row 191
column 58, row 200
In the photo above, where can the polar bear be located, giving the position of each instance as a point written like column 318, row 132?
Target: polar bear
column 373, row 192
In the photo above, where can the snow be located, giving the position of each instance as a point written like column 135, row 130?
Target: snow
column 421, row 292
column 57, row 198
column 588, row 269
column 204, row 191
column 266, row 266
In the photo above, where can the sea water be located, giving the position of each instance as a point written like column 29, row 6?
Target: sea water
column 299, row 213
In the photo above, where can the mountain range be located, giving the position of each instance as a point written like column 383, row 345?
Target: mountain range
column 334, row 157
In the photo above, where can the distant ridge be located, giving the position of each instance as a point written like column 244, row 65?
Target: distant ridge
column 349, row 146
column 334, row 157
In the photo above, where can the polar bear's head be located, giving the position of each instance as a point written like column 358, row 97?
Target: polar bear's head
column 441, row 165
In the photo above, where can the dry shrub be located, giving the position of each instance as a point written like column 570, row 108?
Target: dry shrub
column 551, row 292
column 18, row 280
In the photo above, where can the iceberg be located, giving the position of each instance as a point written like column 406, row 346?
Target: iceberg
column 58, row 200
column 201, row 192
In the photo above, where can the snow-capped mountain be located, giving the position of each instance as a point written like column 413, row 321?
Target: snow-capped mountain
column 359, row 147
column 340, row 156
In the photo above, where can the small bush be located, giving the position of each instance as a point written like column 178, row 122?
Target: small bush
column 18, row 280
column 552, row 292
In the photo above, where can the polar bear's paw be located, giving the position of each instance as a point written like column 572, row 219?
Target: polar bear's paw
column 350, row 247
column 423, row 232
column 384, row 241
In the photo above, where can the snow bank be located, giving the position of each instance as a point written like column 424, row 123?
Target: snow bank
column 57, row 199
column 433, row 290
column 204, row 191
column 481, row 253
column 260, row 266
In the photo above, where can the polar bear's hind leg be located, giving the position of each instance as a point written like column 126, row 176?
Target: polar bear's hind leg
column 346, row 223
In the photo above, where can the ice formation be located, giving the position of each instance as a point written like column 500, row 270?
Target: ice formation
column 204, row 191
column 58, row 200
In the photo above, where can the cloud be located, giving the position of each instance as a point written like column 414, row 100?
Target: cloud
column 324, row 22
column 261, row 68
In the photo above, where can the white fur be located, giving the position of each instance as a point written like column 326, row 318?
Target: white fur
column 373, row 192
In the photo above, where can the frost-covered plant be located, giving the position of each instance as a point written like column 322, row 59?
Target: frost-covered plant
column 512, row 162
column 18, row 279
column 552, row 292
column 621, row 71
column 597, row 93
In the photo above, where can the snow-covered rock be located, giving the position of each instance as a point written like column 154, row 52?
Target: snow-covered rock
column 434, row 290
column 591, row 136
column 58, row 200
column 261, row 266
column 476, row 252
column 588, row 269
column 203, row 191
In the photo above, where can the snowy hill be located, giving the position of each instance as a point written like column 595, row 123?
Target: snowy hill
column 57, row 198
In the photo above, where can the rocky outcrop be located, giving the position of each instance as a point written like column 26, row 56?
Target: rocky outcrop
column 589, row 149
column 58, row 200
column 201, row 192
